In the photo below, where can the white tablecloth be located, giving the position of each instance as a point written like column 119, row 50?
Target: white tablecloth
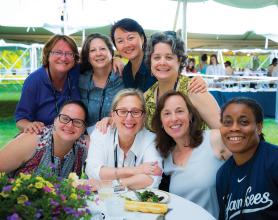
column 181, row 209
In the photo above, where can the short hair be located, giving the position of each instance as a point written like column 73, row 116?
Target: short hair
column 204, row 57
column 52, row 42
column 128, row 92
column 129, row 25
column 274, row 61
column 85, row 64
column 165, row 143
column 80, row 104
column 250, row 103
column 228, row 63
column 213, row 55
column 176, row 44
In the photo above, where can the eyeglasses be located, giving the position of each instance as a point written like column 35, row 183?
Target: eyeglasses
column 65, row 119
column 61, row 53
column 134, row 113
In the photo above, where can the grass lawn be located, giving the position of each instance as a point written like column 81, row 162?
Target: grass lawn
column 9, row 96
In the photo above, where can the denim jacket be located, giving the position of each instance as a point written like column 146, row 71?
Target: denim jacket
column 98, row 100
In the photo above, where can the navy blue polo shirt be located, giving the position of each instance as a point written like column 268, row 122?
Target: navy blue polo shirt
column 37, row 101
column 143, row 79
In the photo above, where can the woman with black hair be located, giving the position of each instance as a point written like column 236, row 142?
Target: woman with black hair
column 247, row 184
column 61, row 146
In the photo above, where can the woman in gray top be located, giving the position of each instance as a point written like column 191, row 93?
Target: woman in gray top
column 192, row 155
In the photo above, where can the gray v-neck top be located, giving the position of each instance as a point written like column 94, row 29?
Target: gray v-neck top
column 195, row 180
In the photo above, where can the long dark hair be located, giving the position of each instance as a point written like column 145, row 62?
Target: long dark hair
column 250, row 103
column 165, row 143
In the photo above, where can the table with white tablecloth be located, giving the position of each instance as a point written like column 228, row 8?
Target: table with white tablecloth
column 180, row 208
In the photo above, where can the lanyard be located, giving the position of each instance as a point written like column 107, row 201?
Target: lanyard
column 116, row 154
column 174, row 89
column 53, row 160
column 102, row 95
column 54, row 90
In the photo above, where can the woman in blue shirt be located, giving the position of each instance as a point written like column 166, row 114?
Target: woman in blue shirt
column 98, row 83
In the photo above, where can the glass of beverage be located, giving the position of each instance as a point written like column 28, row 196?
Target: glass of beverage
column 115, row 207
column 105, row 190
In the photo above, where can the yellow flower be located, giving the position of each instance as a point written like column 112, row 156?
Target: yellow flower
column 25, row 176
column 73, row 196
column 39, row 178
column 4, row 194
column 2, row 174
column 39, row 185
column 73, row 176
column 49, row 184
column 22, row 199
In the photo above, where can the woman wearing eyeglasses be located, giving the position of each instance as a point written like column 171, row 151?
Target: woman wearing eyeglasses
column 127, row 152
column 61, row 146
column 166, row 59
column 47, row 88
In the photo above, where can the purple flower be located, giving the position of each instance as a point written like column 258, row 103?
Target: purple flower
column 14, row 216
column 69, row 210
column 63, row 197
column 54, row 203
column 38, row 215
column 27, row 203
column 7, row 188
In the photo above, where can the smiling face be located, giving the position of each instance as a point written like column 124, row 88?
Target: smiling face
column 128, row 126
column 61, row 63
column 99, row 54
column 164, row 63
column 128, row 44
column 240, row 131
column 175, row 118
column 68, row 132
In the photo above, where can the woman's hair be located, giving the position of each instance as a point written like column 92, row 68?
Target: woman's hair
column 80, row 104
column 250, row 103
column 85, row 64
column 213, row 55
column 190, row 68
column 165, row 143
column 128, row 92
column 274, row 61
column 176, row 44
column 52, row 42
column 129, row 25
column 204, row 57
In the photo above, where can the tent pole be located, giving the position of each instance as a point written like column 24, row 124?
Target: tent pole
column 177, row 15
column 184, row 32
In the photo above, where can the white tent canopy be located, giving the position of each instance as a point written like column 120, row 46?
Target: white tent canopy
column 203, row 16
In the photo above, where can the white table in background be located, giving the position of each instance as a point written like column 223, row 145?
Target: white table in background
column 181, row 209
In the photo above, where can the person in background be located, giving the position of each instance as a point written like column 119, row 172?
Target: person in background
column 202, row 67
column 166, row 59
column 273, row 68
column 228, row 68
column 215, row 68
column 98, row 83
column 127, row 152
column 190, row 68
column 247, row 184
column 61, row 146
column 46, row 89
column 192, row 155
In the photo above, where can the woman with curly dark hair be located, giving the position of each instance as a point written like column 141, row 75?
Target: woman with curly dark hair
column 166, row 59
column 192, row 154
